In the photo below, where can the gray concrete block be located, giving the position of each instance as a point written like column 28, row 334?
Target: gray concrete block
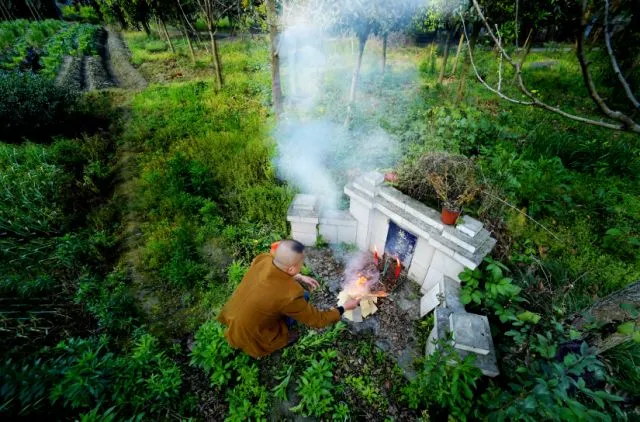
column 471, row 332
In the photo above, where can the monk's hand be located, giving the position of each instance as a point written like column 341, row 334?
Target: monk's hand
column 351, row 304
column 311, row 283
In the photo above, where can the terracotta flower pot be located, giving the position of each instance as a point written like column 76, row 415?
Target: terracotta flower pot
column 449, row 217
column 392, row 177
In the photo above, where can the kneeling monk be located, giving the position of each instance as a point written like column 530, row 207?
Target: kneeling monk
column 259, row 311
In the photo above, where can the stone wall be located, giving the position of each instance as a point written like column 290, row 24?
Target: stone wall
column 441, row 253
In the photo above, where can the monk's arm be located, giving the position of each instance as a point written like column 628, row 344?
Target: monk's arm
column 305, row 313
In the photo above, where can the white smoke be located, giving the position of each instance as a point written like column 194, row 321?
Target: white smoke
column 313, row 148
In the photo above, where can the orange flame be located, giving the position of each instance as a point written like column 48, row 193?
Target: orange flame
column 361, row 280
column 397, row 261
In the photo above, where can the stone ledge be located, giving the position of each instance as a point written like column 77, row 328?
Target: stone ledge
column 469, row 226
column 304, row 202
column 470, row 244
column 338, row 218
column 411, row 206
column 355, row 193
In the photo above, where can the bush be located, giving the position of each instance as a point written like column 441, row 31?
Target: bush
column 80, row 13
column 449, row 178
column 444, row 382
column 86, row 373
column 32, row 106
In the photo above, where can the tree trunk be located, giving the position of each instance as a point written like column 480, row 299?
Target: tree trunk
column 276, row 87
column 217, row 65
column 145, row 26
column 166, row 34
column 455, row 62
column 191, row 53
column 432, row 61
column 362, row 41
column 445, row 57
column 608, row 311
column 385, row 38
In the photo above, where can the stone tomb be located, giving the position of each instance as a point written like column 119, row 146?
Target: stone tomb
column 440, row 253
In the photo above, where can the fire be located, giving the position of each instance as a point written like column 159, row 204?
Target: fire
column 361, row 280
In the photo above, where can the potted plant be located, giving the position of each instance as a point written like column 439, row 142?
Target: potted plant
column 442, row 177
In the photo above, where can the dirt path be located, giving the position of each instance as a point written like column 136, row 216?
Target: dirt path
column 117, row 58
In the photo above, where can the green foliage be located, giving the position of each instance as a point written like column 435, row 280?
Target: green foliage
column 315, row 386
column 31, row 105
column 491, row 289
column 80, row 13
column 109, row 300
column 444, row 382
column 365, row 388
column 155, row 46
column 550, row 388
column 86, row 374
column 230, row 369
column 236, row 271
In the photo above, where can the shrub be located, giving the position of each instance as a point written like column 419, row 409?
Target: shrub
column 444, row 382
column 450, row 178
column 32, row 106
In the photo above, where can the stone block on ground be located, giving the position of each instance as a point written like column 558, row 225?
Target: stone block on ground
column 471, row 332
column 450, row 294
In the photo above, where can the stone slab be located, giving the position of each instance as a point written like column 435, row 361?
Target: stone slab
column 374, row 178
column 429, row 301
column 446, row 265
column 469, row 226
column 307, row 239
column 450, row 294
column 471, row 332
column 346, row 234
column 337, row 218
column 329, row 233
column 305, row 202
column 303, row 227
column 433, row 278
column 487, row 364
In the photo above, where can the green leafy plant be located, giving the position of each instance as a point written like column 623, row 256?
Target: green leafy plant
column 230, row 369
column 491, row 289
column 315, row 386
column 444, row 382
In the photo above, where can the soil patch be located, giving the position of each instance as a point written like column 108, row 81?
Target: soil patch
column 392, row 325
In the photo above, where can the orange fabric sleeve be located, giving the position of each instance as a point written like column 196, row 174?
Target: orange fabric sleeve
column 305, row 313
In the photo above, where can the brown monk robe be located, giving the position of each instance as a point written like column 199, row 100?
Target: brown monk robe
column 268, row 293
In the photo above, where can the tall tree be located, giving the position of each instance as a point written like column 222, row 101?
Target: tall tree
column 213, row 11
column 274, row 35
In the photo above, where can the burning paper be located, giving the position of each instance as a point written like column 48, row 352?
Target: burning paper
column 361, row 282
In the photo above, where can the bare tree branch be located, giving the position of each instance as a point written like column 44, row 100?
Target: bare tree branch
column 627, row 124
column 614, row 62
column 613, row 114
column 482, row 81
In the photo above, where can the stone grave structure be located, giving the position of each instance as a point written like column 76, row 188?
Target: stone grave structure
column 438, row 253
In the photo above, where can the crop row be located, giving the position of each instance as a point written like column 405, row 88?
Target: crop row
column 41, row 46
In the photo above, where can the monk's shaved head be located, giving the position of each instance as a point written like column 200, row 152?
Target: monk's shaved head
column 289, row 253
